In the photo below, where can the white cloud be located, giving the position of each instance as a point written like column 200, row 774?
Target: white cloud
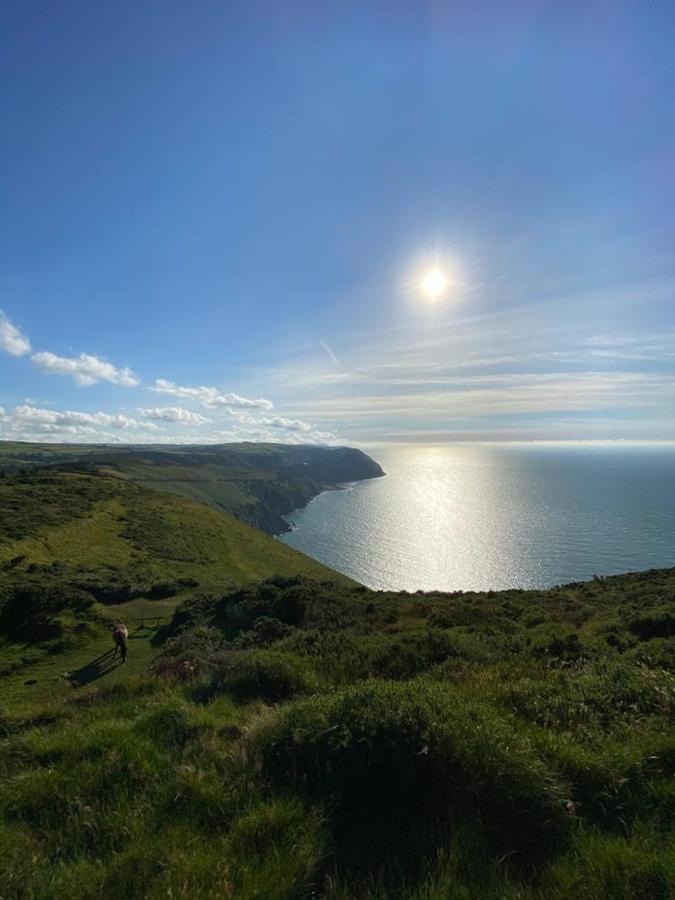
column 12, row 340
column 268, row 428
column 266, row 435
column 209, row 397
column 35, row 423
column 281, row 422
column 36, row 416
column 286, row 424
column 174, row 414
column 85, row 369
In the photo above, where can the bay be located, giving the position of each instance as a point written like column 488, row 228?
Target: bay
column 481, row 517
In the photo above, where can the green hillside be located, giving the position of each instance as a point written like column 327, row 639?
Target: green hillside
column 298, row 739
column 258, row 483
column 78, row 551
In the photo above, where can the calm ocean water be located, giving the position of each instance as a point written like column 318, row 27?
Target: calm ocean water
column 476, row 517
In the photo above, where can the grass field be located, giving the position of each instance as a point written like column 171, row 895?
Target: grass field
column 130, row 550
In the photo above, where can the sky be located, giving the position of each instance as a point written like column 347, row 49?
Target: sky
column 215, row 219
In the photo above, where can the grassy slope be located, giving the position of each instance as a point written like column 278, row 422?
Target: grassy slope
column 219, row 478
column 353, row 744
column 258, row 483
column 101, row 530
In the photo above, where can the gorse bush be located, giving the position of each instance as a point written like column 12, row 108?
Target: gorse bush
column 657, row 624
column 193, row 654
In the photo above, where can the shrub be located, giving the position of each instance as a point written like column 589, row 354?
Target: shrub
column 261, row 674
column 195, row 653
column 395, row 760
column 556, row 643
column 265, row 631
column 29, row 611
column 659, row 623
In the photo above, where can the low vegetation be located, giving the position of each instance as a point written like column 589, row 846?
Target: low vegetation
column 306, row 738
column 79, row 550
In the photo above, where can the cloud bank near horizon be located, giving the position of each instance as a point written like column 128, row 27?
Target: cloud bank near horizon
column 244, row 418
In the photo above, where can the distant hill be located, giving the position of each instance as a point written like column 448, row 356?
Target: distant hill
column 258, row 483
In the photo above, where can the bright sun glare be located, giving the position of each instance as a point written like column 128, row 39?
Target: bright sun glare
column 434, row 284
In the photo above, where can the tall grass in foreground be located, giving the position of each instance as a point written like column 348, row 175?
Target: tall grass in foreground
column 301, row 740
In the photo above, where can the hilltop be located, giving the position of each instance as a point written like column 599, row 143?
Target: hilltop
column 258, row 483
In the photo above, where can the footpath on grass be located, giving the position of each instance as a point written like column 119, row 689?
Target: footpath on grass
column 94, row 664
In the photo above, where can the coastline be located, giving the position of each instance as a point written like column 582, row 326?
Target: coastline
column 340, row 486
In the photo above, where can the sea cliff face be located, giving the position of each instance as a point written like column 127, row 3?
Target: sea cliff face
column 304, row 474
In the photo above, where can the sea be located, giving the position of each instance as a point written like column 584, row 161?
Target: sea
column 482, row 517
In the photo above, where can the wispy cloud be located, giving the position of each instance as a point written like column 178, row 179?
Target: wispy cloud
column 12, row 339
column 330, row 354
column 85, row 369
column 209, row 397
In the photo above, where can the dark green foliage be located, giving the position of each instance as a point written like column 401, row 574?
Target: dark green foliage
column 41, row 498
column 195, row 653
column 114, row 588
column 659, row 623
column 294, row 601
column 261, row 674
column 556, row 643
column 398, row 760
column 265, row 630
column 29, row 610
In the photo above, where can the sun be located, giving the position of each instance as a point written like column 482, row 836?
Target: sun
column 434, row 284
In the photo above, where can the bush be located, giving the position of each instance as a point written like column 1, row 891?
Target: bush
column 659, row 623
column 194, row 654
column 265, row 631
column 398, row 760
column 556, row 643
column 261, row 674
column 29, row 611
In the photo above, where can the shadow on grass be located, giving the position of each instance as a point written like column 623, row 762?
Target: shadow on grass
column 97, row 668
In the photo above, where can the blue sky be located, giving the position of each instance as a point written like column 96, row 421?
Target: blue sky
column 215, row 218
